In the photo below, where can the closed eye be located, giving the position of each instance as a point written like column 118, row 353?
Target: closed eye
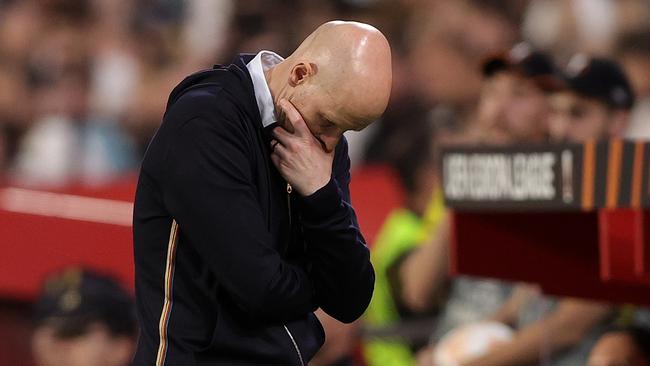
column 326, row 126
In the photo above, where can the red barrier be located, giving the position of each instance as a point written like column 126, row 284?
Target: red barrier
column 558, row 250
column 46, row 230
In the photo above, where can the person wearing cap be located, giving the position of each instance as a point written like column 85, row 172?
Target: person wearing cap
column 513, row 105
column 83, row 318
column 595, row 102
column 512, row 108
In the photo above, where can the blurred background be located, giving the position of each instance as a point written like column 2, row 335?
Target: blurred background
column 84, row 83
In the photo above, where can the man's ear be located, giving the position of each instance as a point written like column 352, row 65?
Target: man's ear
column 300, row 72
column 619, row 123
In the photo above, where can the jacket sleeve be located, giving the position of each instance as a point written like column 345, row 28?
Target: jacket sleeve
column 208, row 190
column 341, row 270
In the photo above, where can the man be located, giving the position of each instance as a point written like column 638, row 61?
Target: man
column 242, row 223
column 513, row 106
column 83, row 318
column 596, row 103
column 512, row 109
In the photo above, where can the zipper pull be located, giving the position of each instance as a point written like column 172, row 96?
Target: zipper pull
column 289, row 190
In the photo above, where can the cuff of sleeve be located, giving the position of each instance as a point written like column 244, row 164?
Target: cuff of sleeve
column 322, row 203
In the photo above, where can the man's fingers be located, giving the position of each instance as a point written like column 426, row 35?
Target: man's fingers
column 290, row 111
column 274, row 143
column 286, row 139
column 301, row 129
column 276, row 160
column 281, row 135
column 294, row 117
column 280, row 151
column 289, row 140
column 279, row 158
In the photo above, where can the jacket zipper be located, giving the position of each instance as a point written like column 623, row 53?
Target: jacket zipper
column 288, row 243
column 295, row 345
column 289, row 190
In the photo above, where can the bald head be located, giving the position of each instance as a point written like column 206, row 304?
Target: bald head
column 339, row 77
column 353, row 65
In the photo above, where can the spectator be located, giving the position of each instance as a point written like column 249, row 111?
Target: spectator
column 513, row 93
column 596, row 103
column 13, row 112
column 83, row 318
column 513, row 107
column 402, row 232
column 445, row 53
column 622, row 347
column 66, row 143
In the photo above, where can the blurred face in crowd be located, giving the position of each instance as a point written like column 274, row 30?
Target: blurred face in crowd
column 444, row 71
column 512, row 109
column 63, row 75
column 576, row 118
column 66, row 97
column 96, row 347
column 445, row 53
column 616, row 349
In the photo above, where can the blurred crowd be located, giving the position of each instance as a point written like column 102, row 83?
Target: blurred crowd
column 85, row 82
column 83, row 85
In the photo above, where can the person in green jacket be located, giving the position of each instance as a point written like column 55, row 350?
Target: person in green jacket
column 405, row 229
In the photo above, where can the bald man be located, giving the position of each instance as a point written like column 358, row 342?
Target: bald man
column 242, row 220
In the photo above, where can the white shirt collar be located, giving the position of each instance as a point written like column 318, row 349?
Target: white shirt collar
column 263, row 61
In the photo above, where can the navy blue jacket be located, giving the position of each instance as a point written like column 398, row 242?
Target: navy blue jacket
column 229, row 266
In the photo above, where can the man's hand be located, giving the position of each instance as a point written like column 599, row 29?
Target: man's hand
column 299, row 156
